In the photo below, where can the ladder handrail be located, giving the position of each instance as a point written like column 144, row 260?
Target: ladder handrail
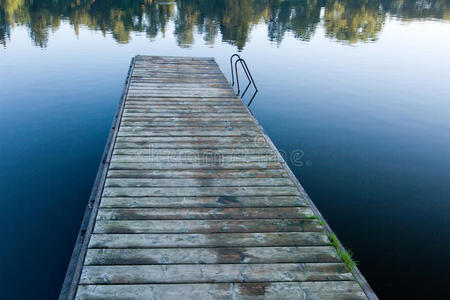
column 231, row 65
column 247, row 73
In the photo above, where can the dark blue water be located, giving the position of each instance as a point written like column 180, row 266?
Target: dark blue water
column 362, row 89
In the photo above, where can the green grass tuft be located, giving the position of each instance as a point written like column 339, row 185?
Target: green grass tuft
column 319, row 219
column 344, row 254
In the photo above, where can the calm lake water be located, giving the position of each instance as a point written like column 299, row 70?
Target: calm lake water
column 360, row 87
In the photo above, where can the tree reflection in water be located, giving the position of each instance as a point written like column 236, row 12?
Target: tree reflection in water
column 348, row 21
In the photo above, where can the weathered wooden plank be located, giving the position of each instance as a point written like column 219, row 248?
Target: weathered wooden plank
column 190, row 151
column 211, row 117
column 185, row 118
column 201, row 72
column 158, row 106
column 180, row 88
column 318, row 290
column 178, row 59
column 177, row 88
column 214, row 273
column 198, row 100
column 173, row 63
column 210, row 174
column 145, row 131
column 183, row 106
column 175, row 76
column 156, row 155
column 178, row 80
column 257, row 141
column 163, row 111
column 186, row 93
column 174, row 145
column 206, row 226
column 151, row 109
column 155, row 132
column 200, row 191
column 204, row 213
column 127, row 130
column 193, row 77
column 143, row 65
column 206, row 158
column 180, row 100
column 179, row 85
column 178, row 69
column 181, row 240
column 254, row 140
column 214, row 144
column 147, row 144
column 235, row 113
column 155, row 73
column 181, row 67
column 183, row 110
column 126, row 127
column 140, row 65
column 166, row 65
column 183, row 123
column 174, row 92
column 214, row 129
column 190, row 137
column 217, row 201
column 179, row 72
column 160, row 103
column 174, row 60
column 249, row 255
column 175, row 66
column 183, row 91
column 202, row 182
column 175, row 80
column 173, row 124
column 194, row 166
column 191, row 115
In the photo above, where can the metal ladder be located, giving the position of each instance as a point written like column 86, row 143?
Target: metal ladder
column 247, row 73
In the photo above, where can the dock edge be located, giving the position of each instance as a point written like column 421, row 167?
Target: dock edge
column 70, row 284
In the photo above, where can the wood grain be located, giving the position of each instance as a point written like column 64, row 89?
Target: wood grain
column 197, row 204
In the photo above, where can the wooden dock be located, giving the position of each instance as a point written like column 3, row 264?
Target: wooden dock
column 193, row 201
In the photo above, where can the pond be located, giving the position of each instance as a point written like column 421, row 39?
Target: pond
column 359, row 89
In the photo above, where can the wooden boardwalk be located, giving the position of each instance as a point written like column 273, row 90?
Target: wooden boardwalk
column 193, row 201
